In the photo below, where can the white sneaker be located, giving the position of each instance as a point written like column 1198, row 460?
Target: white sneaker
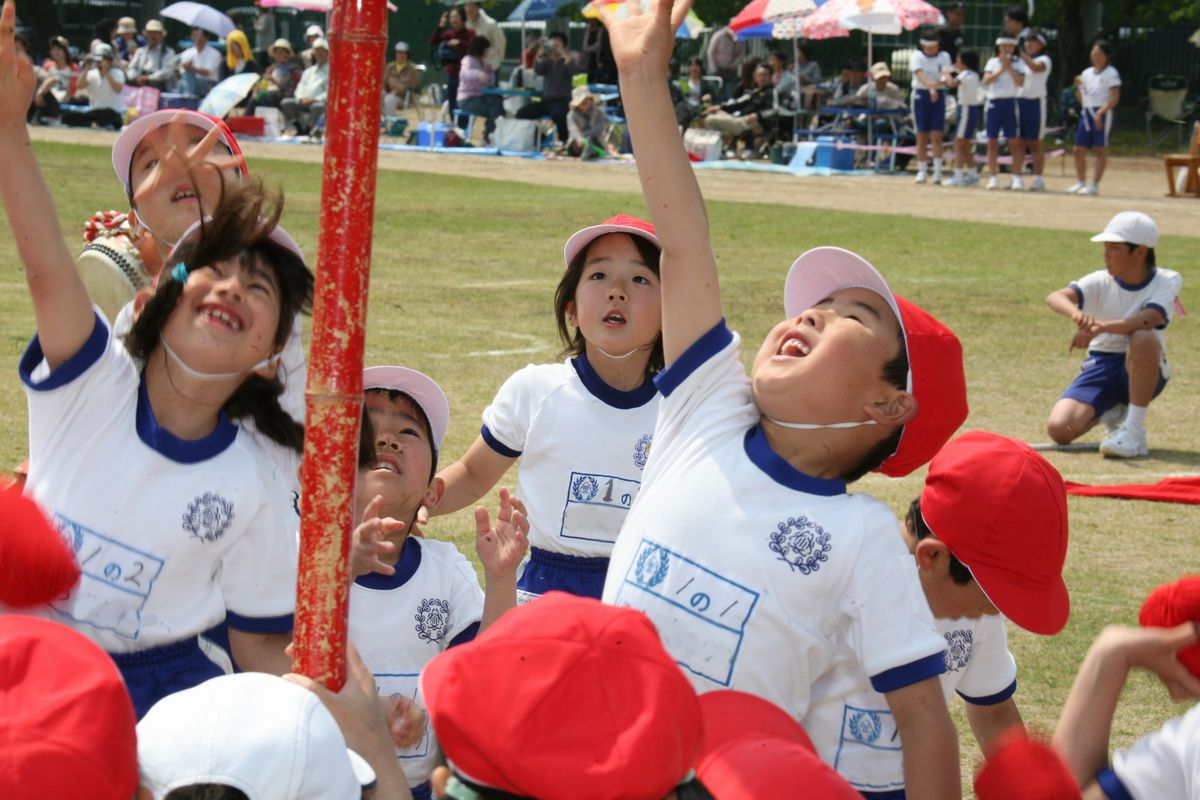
column 993, row 183
column 937, row 177
column 1091, row 189
column 1114, row 417
column 921, row 176
column 954, row 180
column 971, row 179
column 1125, row 442
column 1076, row 187
column 1016, row 184
column 1038, row 184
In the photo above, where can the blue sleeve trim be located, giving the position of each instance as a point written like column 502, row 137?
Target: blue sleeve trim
column 907, row 674
column 991, row 699
column 468, row 634
column 1078, row 294
column 281, row 624
column 69, row 370
column 1111, row 785
column 714, row 341
column 498, row 445
column 1161, row 310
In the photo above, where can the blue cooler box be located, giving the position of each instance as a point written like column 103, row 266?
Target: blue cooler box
column 830, row 156
column 432, row 134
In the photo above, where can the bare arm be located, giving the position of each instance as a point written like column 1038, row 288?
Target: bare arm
column 988, row 722
column 929, row 740
column 471, row 477
column 261, row 652
column 691, row 298
column 1063, row 301
column 60, row 301
column 1144, row 320
column 1114, row 99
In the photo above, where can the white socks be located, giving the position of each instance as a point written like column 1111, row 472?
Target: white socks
column 1136, row 417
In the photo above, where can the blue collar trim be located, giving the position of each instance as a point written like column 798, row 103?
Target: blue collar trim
column 758, row 449
column 406, row 567
column 183, row 451
column 634, row 398
column 1133, row 287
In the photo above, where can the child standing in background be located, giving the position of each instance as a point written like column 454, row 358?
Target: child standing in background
column 929, row 103
column 1003, row 75
column 1031, row 110
column 966, row 78
column 1099, row 91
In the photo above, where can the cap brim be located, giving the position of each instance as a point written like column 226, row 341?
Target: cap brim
column 820, row 272
column 581, row 239
column 278, row 235
column 421, row 388
column 132, row 135
column 1105, row 236
column 1042, row 609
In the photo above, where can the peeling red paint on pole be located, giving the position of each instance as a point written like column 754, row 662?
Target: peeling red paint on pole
column 358, row 46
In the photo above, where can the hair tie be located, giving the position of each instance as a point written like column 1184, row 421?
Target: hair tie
column 180, row 272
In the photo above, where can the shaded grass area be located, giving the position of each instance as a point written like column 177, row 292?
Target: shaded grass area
column 463, row 277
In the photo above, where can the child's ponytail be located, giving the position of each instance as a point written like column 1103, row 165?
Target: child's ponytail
column 258, row 399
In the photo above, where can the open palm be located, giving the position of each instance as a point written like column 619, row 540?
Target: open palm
column 16, row 71
column 644, row 38
column 501, row 548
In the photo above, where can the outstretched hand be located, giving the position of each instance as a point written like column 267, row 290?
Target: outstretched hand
column 16, row 71
column 501, row 548
column 179, row 161
column 369, row 545
column 1157, row 650
column 641, row 39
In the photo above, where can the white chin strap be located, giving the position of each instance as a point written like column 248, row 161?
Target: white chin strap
column 812, row 426
column 214, row 376
column 170, row 245
column 626, row 355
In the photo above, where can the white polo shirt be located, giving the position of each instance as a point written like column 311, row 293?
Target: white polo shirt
column 1095, row 86
column 1004, row 86
column 1034, row 87
column 931, row 66
column 968, row 89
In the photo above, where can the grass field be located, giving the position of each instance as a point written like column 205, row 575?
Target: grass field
column 463, row 278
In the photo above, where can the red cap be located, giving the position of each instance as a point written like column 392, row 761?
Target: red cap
column 751, row 748
column 1024, row 768
column 621, row 223
column 36, row 565
column 565, row 698
column 935, row 364
column 1174, row 604
column 131, row 137
column 1002, row 510
column 66, row 720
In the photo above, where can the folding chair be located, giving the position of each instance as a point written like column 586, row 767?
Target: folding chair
column 1168, row 106
column 1190, row 163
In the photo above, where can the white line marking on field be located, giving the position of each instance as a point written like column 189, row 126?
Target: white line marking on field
column 503, row 284
column 505, row 352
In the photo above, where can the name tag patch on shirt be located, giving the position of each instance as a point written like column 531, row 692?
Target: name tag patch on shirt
column 596, row 506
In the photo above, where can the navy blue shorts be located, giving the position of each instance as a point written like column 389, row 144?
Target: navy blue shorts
column 151, row 675
column 1001, row 117
column 1102, row 382
column 892, row 794
column 422, row 792
column 968, row 122
column 928, row 115
column 1032, row 117
column 1089, row 134
column 548, row 571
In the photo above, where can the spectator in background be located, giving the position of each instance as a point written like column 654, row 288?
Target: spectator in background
column 557, row 71
column 400, row 82
column 697, row 92
column 104, row 81
column 951, row 35
column 128, row 41
column 200, row 65
column 598, row 55
column 725, row 53
column 587, row 125
column 280, row 79
column 155, row 63
column 744, row 117
column 474, row 76
column 59, row 71
column 103, row 32
column 852, row 78
column 1016, row 24
column 745, row 81
column 306, row 108
column 481, row 24
column 787, row 88
column 450, row 40
column 311, row 34
column 808, row 72
column 881, row 92
column 238, row 58
column 264, row 35
column 532, row 46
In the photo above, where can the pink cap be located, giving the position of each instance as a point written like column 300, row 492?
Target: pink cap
column 131, row 137
column 421, row 388
column 621, row 223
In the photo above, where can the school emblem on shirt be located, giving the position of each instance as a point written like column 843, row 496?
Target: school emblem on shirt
column 958, row 649
column 433, row 619
column 641, row 450
column 865, row 726
column 584, row 488
column 208, row 516
column 802, row 543
column 652, row 565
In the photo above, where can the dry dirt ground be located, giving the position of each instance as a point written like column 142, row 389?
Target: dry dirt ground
column 1131, row 183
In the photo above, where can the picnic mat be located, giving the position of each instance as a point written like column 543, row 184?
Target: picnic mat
column 1168, row 490
column 759, row 166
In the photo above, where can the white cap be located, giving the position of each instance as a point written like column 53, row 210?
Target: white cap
column 314, row 30
column 421, row 388
column 321, row 43
column 128, row 140
column 277, row 236
column 269, row 738
column 401, row 46
column 1132, row 227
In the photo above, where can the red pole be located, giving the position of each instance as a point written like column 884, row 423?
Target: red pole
column 358, row 44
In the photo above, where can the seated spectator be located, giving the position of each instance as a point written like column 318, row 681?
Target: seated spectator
column 238, row 56
column 745, row 81
column 200, row 65
column 698, row 92
column 60, row 73
column 852, row 78
column 743, row 118
column 588, row 126
column 128, row 41
column 808, row 72
column 880, row 92
column 787, row 87
column 155, row 63
column 474, row 76
column 306, row 108
column 104, row 82
column 557, row 70
column 400, row 82
column 311, row 34
column 279, row 80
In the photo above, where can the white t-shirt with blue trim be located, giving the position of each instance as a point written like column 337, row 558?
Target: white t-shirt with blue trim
column 1162, row 765
column 1107, row 298
column 758, row 576
column 172, row 536
column 931, row 66
column 1095, row 87
column 854, row 730
column 1004, row 86
column 968, row 89
column 1034, row 87
column 582, row 446
column 400, row 622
